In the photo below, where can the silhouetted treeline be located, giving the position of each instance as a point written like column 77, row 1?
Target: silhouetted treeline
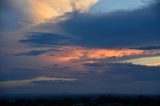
column 86, row 101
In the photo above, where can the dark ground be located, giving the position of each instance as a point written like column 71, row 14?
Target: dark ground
column 106, row 100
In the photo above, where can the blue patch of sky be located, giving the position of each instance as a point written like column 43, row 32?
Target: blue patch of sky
column 114, row 5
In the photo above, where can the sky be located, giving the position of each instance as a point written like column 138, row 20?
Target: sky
column 79, row 47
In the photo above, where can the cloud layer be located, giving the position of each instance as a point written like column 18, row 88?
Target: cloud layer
column 116, row 52
column 119, row 29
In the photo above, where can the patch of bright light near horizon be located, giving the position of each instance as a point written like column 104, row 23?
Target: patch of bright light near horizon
column 27, row 82
column 147, row 61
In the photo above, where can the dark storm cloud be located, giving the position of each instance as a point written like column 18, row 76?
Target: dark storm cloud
column 46, row 39
column 18, row 73
column 126, row 72
column 148, row 48
column 5, row 6
column 12, row 17
column 33, row 53
column 36, row 52
column 3, row 3
column 119, row 29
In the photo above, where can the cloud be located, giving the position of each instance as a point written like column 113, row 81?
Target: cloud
column 78, row 53
column 65, row 52
column 104, row 78
column 28, row 82
column 33, row 53
column 27, row 13
column 4, row 3
column 42, row 10
column 82, row 54
column 85, row 48
column 149, row 48
column 117, row 29
column 7, row 10
column 121, row 29
column 125, row 72
column 36, row 52
column 46, row 39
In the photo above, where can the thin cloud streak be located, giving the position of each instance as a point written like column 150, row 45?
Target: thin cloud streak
column 28, row 82
column 69, row 53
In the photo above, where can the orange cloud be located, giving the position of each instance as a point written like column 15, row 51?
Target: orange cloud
column 71, row 53
column 107, row 53
column 74, row 57
column 42, row 10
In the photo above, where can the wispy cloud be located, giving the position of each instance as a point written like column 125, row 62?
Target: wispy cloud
column 28, row 82
column 69, row 53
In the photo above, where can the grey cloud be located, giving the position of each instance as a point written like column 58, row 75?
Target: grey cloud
column 126, row 72
column 119, row 29
column 33, row 53
column 148, row 48
column 104, row 78
column 46, row 39
column 36, row 52
column 129, row 29
column 12, row 17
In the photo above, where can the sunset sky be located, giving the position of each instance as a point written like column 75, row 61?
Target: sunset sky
column 79, row 47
